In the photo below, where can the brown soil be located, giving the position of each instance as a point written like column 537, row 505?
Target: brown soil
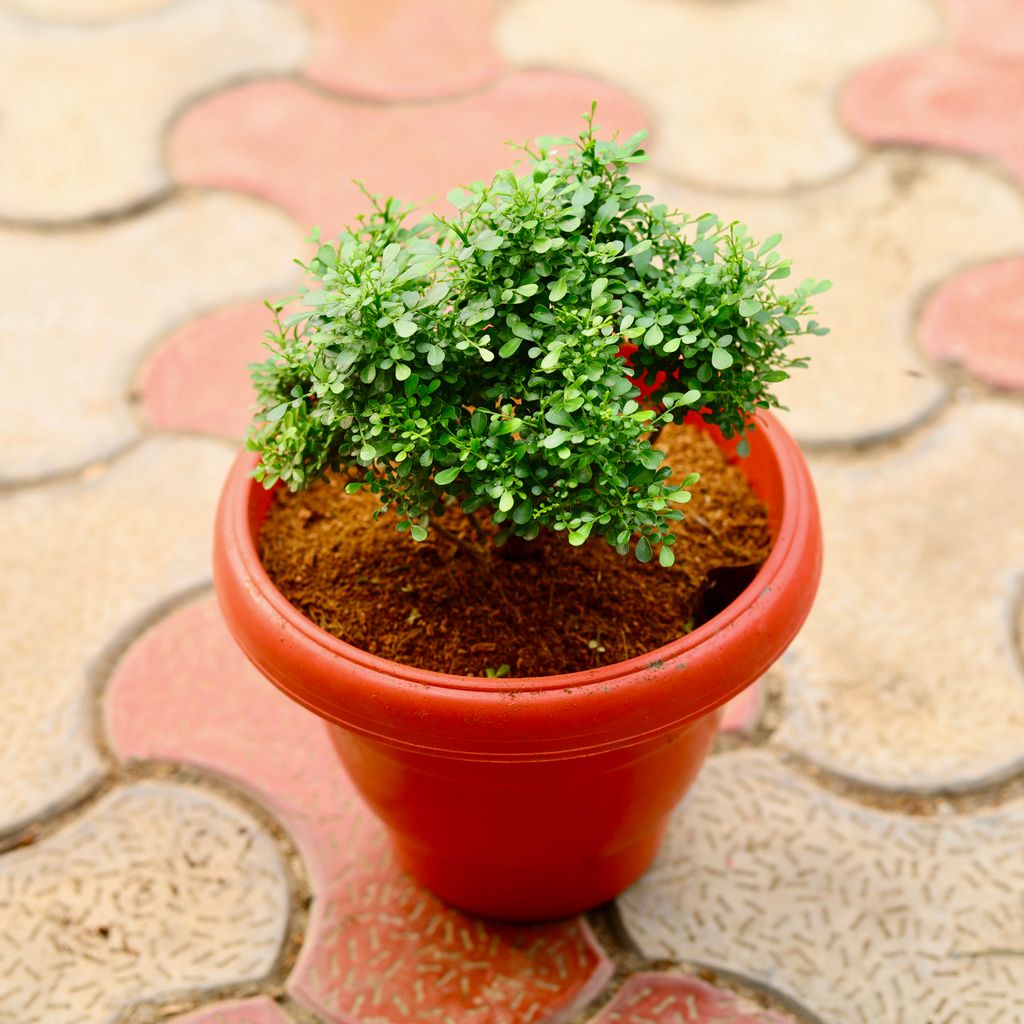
column 436, row 606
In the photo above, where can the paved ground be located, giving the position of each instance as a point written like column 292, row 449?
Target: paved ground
column 180, row 844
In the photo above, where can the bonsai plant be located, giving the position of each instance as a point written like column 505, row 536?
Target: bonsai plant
column 485, row 365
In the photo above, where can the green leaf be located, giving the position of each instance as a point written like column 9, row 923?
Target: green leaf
column 367, row 453
column 418, row 533
column 505, row 502
column 748, row 307
column 653, row 336
column 510, row 347
column 488, row 241
column 705, row 249
column 597, row 288
column 643, row 550
column 277, row 412
column 557, row 290
column 555, row 439
column 665, row 556
column 769, row 243
column 405, row 328
column 446, row 476
column 721, row 359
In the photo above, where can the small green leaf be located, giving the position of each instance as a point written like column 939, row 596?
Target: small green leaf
column 418, row 534
column 665, row 556
column 653, row 336
column 367, row 453
column 644, row 553
column 769, row 243
column 721, row 359
column 446, row 476
column 510, row 347
column 557, row 291
column 488, row 241
column 405, row 328
column 597, row 288
column 277, row 412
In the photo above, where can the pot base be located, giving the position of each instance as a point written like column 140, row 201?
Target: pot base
column 530, row 893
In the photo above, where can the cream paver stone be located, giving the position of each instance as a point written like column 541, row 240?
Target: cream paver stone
column 88, row 10
column 908, row 674
column 859, row 915
column 156, row 890
column 741, row 93
column 886, row 234
column 84, row 560
column 82, row 307
column 83, row 110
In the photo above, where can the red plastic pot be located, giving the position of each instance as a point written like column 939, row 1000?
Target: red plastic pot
column 529, row 798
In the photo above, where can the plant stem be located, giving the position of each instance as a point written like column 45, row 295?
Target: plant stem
column 470, row 549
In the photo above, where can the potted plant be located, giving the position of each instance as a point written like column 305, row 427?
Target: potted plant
column 476, row 375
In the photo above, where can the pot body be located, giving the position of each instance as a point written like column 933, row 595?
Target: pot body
column 527, row 840
column 536, row 797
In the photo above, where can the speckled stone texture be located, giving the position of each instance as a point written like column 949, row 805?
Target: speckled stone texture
column 674, row 999
column 908, row 673
column 855, row 914
column 83, row 560
column 95, row 148
column 133, row 281
column 238, row 1011
column 379, row 948
column 157, row 889
column 739, row 98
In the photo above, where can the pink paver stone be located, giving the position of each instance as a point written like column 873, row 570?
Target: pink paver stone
column 282, row 141
column 198, row 379
column 674, row 999
column 977, row 319
column 240, row 1011
column 941, row 98
column 742, row 713
column 994, row 27
column 379, row 947
column 402, row 49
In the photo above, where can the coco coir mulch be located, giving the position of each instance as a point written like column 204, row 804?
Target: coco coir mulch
column 438, row 606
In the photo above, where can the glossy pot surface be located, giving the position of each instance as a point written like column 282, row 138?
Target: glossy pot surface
column 540, row 796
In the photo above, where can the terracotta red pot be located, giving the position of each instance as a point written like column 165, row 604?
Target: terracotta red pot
column 535, row 797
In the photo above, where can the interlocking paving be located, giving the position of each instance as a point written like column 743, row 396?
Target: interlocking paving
column 179, row 840
column 241, row 1011
column 857, row 914
column 131, row 284
column 739, row 97
column 674, row 999
column 278, row 139
column 95, row 148
column 83, row 560
column 909, row 673
column 157, row 889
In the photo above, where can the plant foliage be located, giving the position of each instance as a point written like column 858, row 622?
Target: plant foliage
column 478, row 359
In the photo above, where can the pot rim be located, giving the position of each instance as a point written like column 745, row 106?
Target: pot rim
column 798, row 506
